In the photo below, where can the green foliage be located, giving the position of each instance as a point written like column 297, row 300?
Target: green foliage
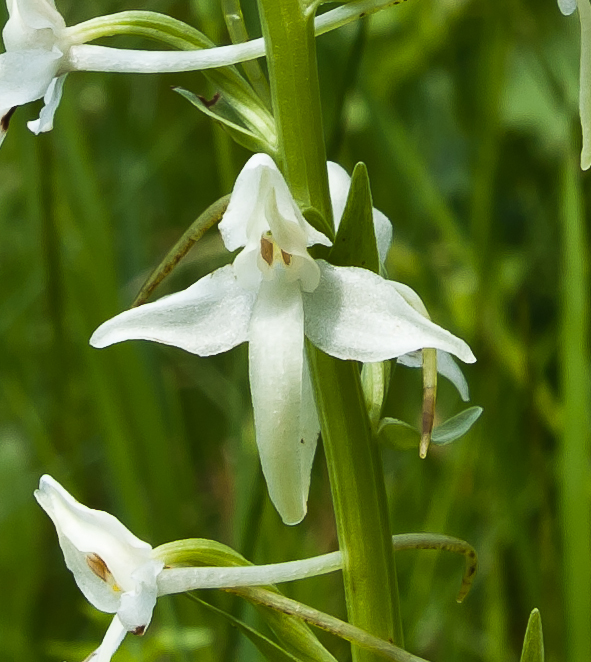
column 464, row 113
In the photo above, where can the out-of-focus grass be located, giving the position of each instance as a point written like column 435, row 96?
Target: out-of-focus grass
column 464, row 113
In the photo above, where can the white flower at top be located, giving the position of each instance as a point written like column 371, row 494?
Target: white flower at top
column 567, row 7
column 272, row 296
column 31, row 68
column 41, row 50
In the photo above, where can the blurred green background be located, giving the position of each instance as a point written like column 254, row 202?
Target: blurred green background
column 465, row 113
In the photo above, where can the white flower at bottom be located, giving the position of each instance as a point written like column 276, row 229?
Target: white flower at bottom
column 272, row 296
column 115, row 571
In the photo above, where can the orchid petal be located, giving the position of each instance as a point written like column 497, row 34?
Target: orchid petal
column 83, row 532
column 210, row 317
column 339, row 183
column 567, row 7
column 36, row 14
column 246, row 218
column 111, row 642
column 446, row 366
column 138, row 604
column 356, row 314
column 585, row 82
column 383, row 229
column 52, row 99
column 276, row 364
column 26, row 75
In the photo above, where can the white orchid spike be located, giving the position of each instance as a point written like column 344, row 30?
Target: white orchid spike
column 567, row 7
column 272, row 296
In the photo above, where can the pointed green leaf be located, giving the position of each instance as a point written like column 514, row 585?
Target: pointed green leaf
column 355, row 243
column 399, row 434
column 269, row 649
column 533, row 644
column 455, row 427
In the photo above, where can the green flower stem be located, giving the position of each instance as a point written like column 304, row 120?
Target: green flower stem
column 354, row 465
column 291, row 57
column 573, row 468
column 359, row 499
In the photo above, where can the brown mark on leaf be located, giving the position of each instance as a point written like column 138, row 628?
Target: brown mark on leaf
column 208, row 103
column 5, row 119
column 267, row 250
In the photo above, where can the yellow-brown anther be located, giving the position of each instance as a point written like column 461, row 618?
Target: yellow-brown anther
column 267, row 250
column 101, row 570
column 286, row 258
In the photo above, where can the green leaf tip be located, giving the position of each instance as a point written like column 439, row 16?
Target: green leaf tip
column 355, row 243
column 533, row 643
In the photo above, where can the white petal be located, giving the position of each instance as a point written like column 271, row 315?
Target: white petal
column 52, row 99
column 567, row 7
column 383, row 229
column 356, row 314
column 137, row 605
column 338, row 184
column 585, row 82
column 83, row 532
column 244, row 202
column 210, row 317
column 247, row 217
column 26, row 75
column 111, row 642
column 36, row 14
column 276, row 363
column 446, row 366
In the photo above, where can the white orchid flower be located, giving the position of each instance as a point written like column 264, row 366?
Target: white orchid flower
column 115, row 571
column 567, row 7
column 41, row 51
column 119, row 573
column 272, row 296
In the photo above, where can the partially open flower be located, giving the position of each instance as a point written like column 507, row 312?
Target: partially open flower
column 115, row 571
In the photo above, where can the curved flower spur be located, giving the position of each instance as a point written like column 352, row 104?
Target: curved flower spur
column 272, row 296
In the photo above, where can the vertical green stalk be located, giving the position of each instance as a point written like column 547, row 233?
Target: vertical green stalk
column 354, row 465
column 295, row 93
column 573, row 469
